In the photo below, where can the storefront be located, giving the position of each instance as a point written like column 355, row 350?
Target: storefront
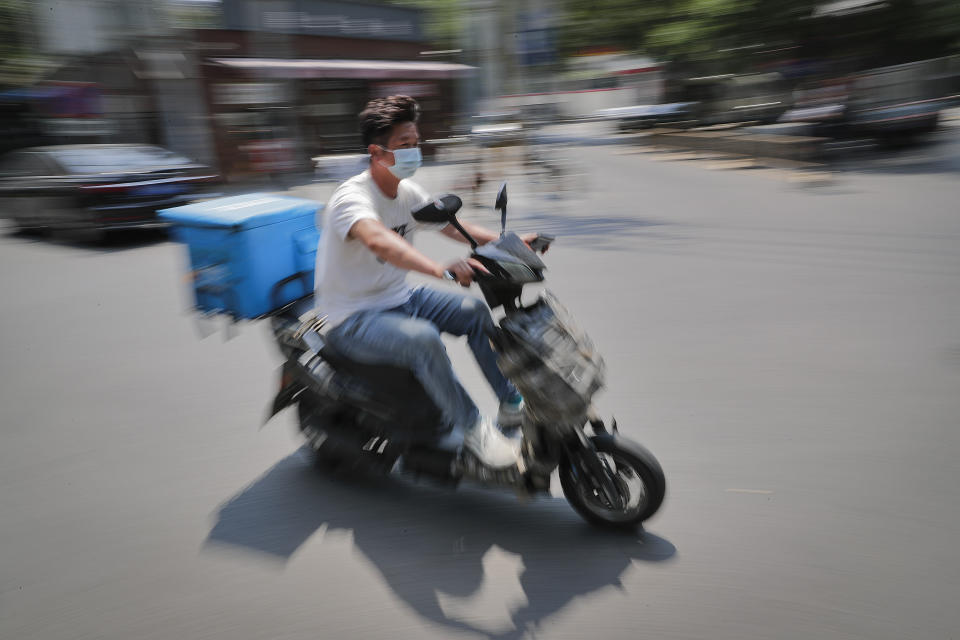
column 286, row 85
column 275, row 115
column 317, row 101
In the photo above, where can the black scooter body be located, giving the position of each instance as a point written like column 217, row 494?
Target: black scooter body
column 379, row 412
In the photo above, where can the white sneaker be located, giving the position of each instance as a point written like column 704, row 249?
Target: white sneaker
column 492, row 447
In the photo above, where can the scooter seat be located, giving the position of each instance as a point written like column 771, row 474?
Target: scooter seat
column 401, row 400
column 394, row 380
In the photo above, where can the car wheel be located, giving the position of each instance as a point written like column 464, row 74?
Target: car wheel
column 23, row 227
column 82, row 233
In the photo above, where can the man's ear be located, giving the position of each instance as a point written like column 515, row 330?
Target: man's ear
column 371, row 149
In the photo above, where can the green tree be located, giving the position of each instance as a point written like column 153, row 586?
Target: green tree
column 442, row 20
column 734, row 32
column 19, row 62
column 620, row 24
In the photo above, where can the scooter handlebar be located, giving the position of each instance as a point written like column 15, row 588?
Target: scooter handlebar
column 477, row 275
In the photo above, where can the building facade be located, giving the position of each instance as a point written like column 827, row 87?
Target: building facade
column 261, row 86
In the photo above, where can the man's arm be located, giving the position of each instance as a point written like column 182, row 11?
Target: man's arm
column 390, row 247
column 481, row 234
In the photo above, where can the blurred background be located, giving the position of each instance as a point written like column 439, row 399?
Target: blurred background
column 266, row 86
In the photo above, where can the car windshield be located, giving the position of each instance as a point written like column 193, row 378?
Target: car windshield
column 116, row 159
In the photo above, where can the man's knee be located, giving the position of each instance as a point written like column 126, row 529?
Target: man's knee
column 475, row 314
column 419, row 336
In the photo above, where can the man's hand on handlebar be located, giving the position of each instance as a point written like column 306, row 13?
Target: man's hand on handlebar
column 531, row 241
column 462, row 271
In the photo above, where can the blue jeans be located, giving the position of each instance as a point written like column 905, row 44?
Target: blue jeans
column 409, row 336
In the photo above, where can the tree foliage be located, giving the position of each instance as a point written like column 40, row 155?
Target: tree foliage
column 442, row 20
column 13, row 15
column 19, row 60
column 732, row 31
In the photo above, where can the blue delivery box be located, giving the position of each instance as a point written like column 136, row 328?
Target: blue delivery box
column 249, row 254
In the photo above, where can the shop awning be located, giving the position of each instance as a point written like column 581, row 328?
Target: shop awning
column 364, row 69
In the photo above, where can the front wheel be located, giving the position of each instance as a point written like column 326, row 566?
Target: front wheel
column 637, row 475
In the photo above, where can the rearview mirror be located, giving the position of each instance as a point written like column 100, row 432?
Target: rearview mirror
column 501, row 204
column 443, row 209
column 501, row 197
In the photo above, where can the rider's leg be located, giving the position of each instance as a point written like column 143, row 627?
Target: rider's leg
column 462, row 315
column 392, row 337
column 395, row 338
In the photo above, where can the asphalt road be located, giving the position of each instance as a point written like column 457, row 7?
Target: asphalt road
column 790, row 350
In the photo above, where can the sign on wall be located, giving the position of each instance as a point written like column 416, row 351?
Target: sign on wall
column 249, row 93
column 412, row 89
column 324, row 18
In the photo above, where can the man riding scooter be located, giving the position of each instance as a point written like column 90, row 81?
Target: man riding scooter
column 375, row 317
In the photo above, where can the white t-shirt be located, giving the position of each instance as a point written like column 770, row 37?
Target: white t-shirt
column 349, row 276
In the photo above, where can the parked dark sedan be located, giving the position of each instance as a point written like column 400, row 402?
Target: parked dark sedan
column 646, row 116
column 94, row 188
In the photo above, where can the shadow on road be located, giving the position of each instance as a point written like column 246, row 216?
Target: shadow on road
column 590, row 231
column 429, row 544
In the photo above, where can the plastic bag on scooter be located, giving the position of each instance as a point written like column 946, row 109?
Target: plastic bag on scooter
column 551, row 360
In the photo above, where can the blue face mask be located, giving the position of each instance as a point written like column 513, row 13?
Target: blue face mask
column 405, row 161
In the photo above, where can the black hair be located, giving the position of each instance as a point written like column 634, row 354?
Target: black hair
column 381, row 114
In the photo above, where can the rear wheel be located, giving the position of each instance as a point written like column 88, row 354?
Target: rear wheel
column 637, row 475
column 27, row 227
column 88, row 235
column 313, row 427
column 339, row 444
